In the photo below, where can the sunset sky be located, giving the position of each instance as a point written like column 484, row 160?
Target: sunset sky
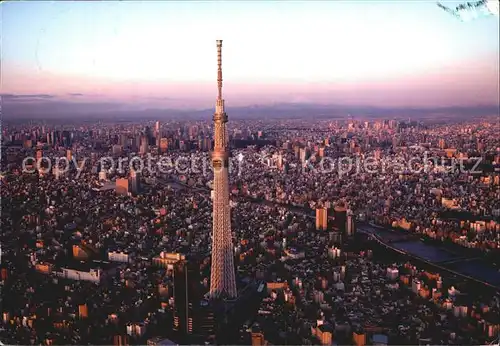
column 163, row 53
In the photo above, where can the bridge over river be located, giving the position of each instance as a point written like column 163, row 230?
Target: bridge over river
column 473, row 268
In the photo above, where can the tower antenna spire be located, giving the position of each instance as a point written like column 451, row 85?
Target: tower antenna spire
column 219, row 69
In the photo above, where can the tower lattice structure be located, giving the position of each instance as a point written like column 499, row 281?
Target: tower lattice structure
column 222, row 276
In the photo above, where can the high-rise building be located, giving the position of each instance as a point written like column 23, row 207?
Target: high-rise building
column 137, row 142
column 340, row 216
column 321, row 152
column 359, row 337
column 442, row 143
column 144, row 145
column 321, row 218
column 120, row 340
column 123, row 140
column 135, row 181
column 207, row 144
column 304, row 154
column 258, row 338
column 222, row 276
column 122, row 186
column 83, row 311
column 149, row 135
column 39, row 155
column 67, row 138
column 206, row 321
column 163, row 145
column 193, row 317
column 279, row 161
column 80, row 253
column 183, row 146
column 117, row 149
column 186, row 296
column 350, row 226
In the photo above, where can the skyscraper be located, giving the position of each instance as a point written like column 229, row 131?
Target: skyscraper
column 186, row 282
column 222, row 276
column 163, row 145
column 340, row 216
column 350, row 226
column 135, row 181
column 149, row 135
column 122, row 187
column 321, row 218
column 144, row 145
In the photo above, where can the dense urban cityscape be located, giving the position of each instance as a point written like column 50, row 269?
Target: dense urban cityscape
column 94, row 254
column 285, row 224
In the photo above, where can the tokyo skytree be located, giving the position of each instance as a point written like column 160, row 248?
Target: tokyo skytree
column 222, row 276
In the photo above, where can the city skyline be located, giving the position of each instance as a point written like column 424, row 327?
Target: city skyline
column 390, row 54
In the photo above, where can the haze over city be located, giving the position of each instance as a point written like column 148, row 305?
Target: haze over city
column 136, row 55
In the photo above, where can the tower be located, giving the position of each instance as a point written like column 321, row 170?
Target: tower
column 222, row 276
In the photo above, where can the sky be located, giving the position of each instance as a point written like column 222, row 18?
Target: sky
column 163, row 53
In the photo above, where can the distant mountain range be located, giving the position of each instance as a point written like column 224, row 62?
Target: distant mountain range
column 60, row 109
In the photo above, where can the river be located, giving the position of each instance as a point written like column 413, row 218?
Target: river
column 472, row 268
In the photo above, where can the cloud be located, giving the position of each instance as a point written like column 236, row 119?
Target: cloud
column 26, row 97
